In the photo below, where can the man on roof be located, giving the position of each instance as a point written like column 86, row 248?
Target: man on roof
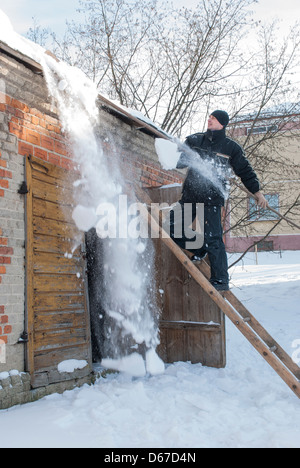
column 216, row 148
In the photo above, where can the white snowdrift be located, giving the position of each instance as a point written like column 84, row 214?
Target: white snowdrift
column 245, row 405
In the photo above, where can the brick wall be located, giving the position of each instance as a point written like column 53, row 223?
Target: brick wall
column 12, row 240
column 38, row 134
column 135, row 153
column 29, row 126
column 6, row 254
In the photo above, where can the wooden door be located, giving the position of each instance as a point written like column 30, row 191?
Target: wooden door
column 192, row 327
column 56, row 287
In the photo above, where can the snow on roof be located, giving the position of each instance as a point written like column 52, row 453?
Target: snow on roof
column 279, row 110
column 33, row 55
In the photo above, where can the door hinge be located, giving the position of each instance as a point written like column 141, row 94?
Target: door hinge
column 23, row 338
column 23, row 190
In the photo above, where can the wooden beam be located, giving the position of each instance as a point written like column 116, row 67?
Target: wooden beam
column 20, row 57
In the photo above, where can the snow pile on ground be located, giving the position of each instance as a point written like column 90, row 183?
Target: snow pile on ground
column 134, row 364
column 189, row 406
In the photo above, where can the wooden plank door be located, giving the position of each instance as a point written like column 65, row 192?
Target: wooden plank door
column 56, row 287
column 192, row 326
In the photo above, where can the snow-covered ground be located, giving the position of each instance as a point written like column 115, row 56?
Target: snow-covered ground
column 189, row 406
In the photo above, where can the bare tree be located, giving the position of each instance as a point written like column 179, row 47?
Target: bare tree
column 270, row 131
column 112, row 44
column 38, row 34
column 164, row 62
column 176, row 65
column 173, row 65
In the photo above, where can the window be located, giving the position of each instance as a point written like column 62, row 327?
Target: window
column 264, row 129
column 258, row 214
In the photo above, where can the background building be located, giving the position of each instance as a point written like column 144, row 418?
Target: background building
column 272, row 144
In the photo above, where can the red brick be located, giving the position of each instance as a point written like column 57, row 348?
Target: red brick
column 33, row 137
column 19, row 114
column 54, row 159
column 47, row 142
column 35, row 120
column 28, row 124
column 37, row 113
column 25, row 149
column 41, row 154
column 3, row 338
column 42, row 123
column 5, row 260
column 19, row 105
column 17, row 130
column 7, row 329
column 66, row 164
column 4, row 184
column 1, row 309
column 60, row 148
column 2, row 271
column 6, row 251
column 53, row 128
column 4, row 319
column 5, row 174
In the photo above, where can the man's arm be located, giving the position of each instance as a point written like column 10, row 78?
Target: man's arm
column 243, row 169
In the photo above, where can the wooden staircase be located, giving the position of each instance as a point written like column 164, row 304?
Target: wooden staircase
column 243, row 320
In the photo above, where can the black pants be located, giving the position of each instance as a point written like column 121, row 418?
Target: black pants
column 213, row 241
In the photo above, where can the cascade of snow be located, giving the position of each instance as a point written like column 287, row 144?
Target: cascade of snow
column 127, row 270
column 217, row 171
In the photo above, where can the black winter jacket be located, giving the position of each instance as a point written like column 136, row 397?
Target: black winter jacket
column 200, row 189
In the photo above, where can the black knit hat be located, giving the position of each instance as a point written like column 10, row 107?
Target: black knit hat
column 221, row 117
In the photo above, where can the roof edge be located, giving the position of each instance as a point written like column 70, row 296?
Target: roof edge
column 105, row 102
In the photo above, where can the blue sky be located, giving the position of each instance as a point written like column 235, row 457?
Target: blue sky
column 54, row 13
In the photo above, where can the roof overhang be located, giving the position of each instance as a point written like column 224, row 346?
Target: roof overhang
column 118, row 111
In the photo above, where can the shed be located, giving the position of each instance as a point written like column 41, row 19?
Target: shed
column 44, row 299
